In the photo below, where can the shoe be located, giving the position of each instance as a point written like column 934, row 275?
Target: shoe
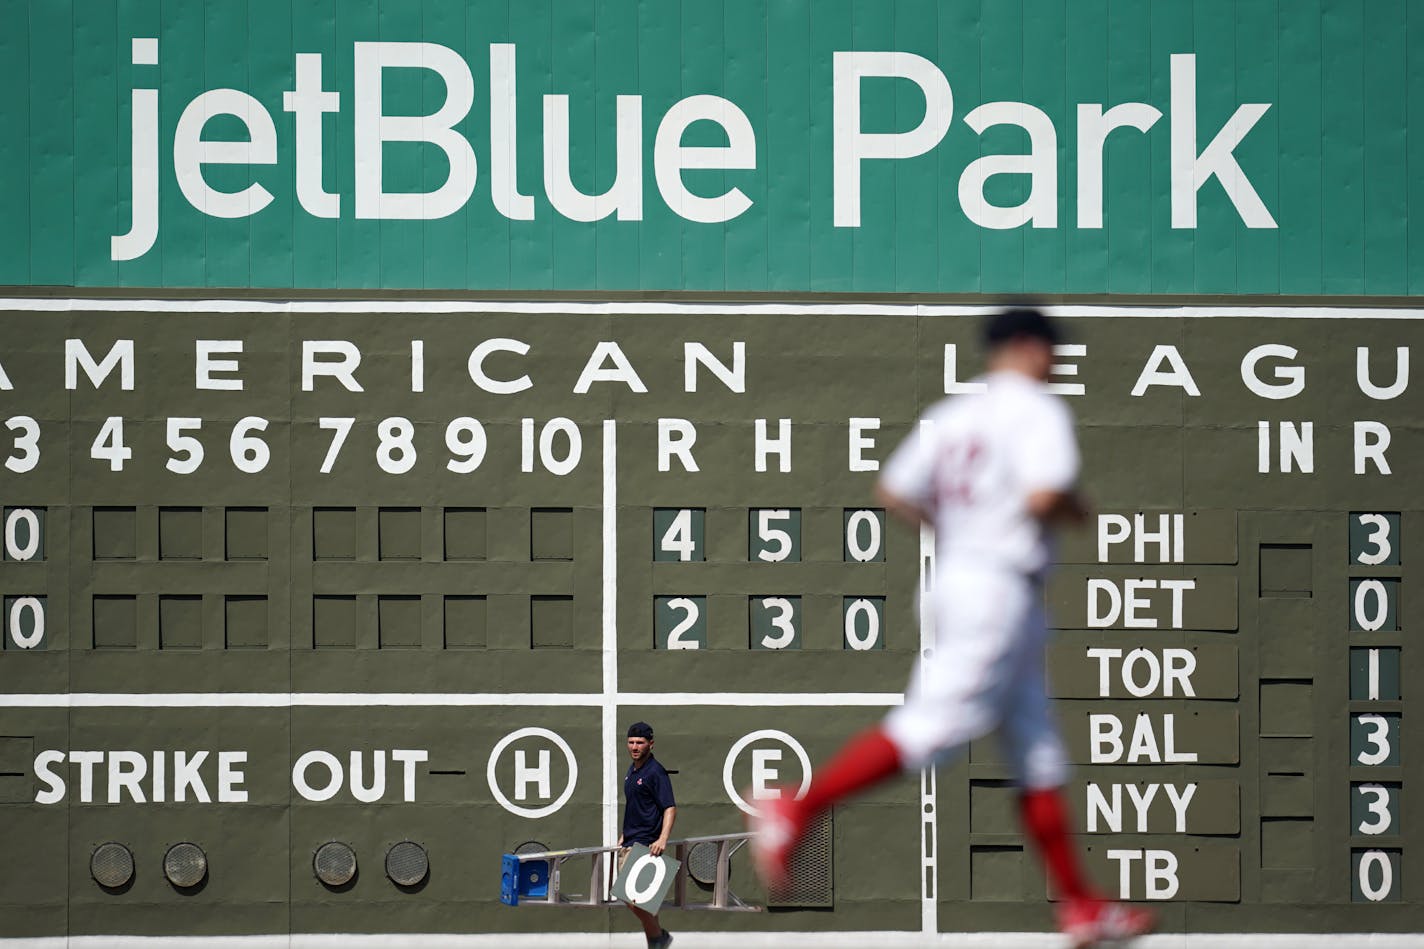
column 777, row 833
column 661, row 941
column 1087, row 922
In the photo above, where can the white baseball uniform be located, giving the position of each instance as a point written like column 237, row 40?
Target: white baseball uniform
column 972, row 468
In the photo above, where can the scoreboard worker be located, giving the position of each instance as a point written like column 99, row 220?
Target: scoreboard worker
column 993, row 472
column 648, row 814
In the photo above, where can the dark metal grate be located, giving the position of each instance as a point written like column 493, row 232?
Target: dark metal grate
column 702, row 862
column 185, row 865
column 334, row 863
column 111, row 865
column 530, row 846
column 407, row 863
column 812, row 880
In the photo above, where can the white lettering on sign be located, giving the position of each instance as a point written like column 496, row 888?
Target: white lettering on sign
column 335, row 775
column 676, row 436
column 762, row 772
column 1169, row 537
column 1142, row 672
column 206, row 365
column 1106, row 604
column 1159, row 870
column 1108, row 808
column 120, row 355
column 540, row 775
column 780, row 446
column 1297, row 447
column 138, row 778
column 1107, row 747
column 522, row 777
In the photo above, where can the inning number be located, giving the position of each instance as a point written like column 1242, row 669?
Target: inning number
column 865, row 536
column 24, row 533
column 1374, row 808
column 775, row 622
column 24, row 622
column 678, row 534
column 775, row 535
column 864, row 618
column 680, row 622
column 1374, row 539
column 1373, row 604
column 1374, row 739
column 1376, row 875
column 26, row 445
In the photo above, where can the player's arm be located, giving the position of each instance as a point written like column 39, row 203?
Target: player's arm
column 657, row 847
column 899, row 507
column 1058, row 507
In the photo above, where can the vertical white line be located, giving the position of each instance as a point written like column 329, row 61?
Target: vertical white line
column 929, row 819
column 610, row 632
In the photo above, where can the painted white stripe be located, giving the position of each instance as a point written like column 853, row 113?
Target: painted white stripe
column 431, row 699
column 701, row 940
column 610, row 632
column 643, row 308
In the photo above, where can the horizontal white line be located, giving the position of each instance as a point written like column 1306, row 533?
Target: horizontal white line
column 707, row 940
column 653, row 308
column 433, row 699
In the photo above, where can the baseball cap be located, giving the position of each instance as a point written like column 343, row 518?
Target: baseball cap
column 1019, row 322
column 640, row 730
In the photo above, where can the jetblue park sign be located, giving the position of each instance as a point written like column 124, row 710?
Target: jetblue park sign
column 845, row 146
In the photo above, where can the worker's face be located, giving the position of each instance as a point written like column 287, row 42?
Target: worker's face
column 639, row 749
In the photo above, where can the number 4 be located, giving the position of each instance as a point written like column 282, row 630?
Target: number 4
column 109, row 444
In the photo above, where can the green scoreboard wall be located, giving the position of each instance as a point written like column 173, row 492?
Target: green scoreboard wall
column 396, row 400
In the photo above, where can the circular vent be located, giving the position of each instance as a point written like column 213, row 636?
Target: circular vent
column 702, row 862
column 531, row 846
column 112, row 865
column 334, row 863
column 185, row 865
column 407, row 863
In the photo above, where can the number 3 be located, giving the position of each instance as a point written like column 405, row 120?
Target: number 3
column 27, row 444
column 1379, row 537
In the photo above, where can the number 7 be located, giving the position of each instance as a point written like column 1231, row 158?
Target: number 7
column 340, row 428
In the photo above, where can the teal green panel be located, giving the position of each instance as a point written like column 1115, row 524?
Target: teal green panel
column 1342, row 159
column 314, row 240
column 96, row 43
column 886, row 105
column 481, row 236
column 183, row 231
column 831, row 247
column 446, row 250
column 1045, row 66
column 272, row 230
column 358, row 249
column 787, row 158
column 704, row 249
column 960, row 251
column 616, row 73
column 14, row 143
column 408, row 166
column 745, row 77
column 1298, row 104
column 1001, row 68
column 134, row 18
column 1129, row 156
column 531, row 243
column 1258, row 250
column 52, row 158
column 915, row 244
column 1414, row 159
column 1172, row 248
column 226, row 60
column 1214, row 262
column 1385, row 165
column 591, row 117
column 660, row 251
column 1087, row 58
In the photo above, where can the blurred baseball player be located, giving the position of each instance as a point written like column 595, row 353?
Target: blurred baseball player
column 993, row 472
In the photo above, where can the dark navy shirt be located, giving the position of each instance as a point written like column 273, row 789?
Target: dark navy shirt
column 648, row 792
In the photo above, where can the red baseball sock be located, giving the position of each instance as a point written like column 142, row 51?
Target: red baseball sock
column 866, row 759
column 1045, row 819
